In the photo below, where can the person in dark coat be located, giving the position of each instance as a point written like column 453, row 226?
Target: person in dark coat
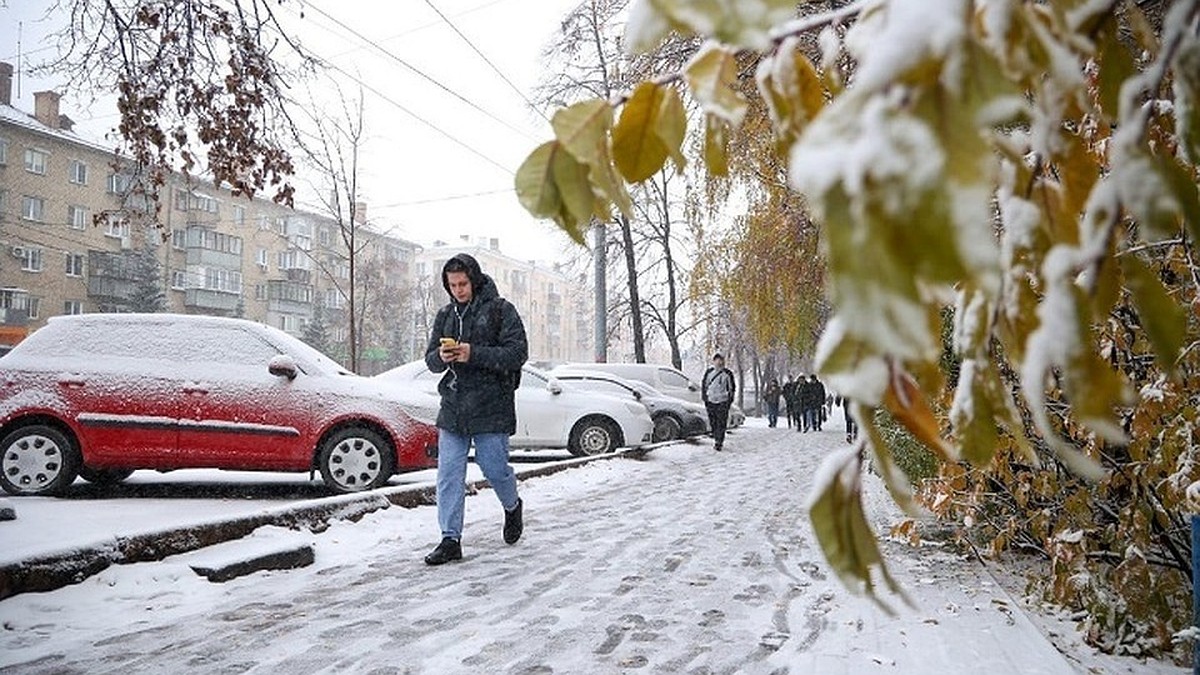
column 478, row 341
column 816, row 405
column 771, row 398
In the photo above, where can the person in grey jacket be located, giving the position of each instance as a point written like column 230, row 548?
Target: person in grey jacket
column 478, row 341
column 716, row 390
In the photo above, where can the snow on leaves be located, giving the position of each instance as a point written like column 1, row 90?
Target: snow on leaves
column 1013, row 159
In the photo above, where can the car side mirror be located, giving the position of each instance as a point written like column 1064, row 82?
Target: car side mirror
column 283, row 365
column 553, row 387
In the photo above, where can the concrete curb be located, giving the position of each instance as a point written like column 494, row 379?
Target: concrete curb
column 51, row 571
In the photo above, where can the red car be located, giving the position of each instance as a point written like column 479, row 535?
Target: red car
column 100, row 395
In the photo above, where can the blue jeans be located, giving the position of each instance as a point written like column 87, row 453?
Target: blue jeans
column 772, row 413
column 491, row 454
column 812, row 419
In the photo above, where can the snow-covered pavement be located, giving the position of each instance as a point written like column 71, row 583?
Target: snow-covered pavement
column 686, row 561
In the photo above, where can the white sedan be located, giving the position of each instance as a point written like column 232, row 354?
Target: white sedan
column 551, row 414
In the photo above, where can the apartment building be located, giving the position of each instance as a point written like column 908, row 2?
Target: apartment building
column 208, row 252
column 553, row 307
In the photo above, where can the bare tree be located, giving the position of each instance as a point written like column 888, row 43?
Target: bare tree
column 201, row 87
column 333, row 146
column 588, row 60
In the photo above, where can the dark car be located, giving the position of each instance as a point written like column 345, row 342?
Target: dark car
column 100, row 395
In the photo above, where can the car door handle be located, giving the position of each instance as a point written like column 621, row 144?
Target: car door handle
column 72, row 384
column 195, row 390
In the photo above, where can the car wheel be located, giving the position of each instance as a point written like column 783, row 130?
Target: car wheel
column 667, row 427
column 354, row 459
column 104, row 476
column 37, row 460
column 594, row 436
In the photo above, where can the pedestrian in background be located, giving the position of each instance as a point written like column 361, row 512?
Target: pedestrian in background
column 816, row 404
column 771, row 398
column 851, row 423
column 789, row 399
column 716, row 390
column 478, row 341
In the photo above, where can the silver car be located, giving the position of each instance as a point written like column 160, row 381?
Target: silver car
column 673, row 418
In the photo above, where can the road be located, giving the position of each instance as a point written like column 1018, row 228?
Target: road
column 688, row 561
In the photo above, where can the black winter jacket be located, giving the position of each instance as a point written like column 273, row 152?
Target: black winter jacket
column 478, row 396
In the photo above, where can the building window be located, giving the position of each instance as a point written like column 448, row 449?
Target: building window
column 262, row 257
column 35, row 161
column 192, row 201
column 239, row 215
column 78, row 172
column 294, row 260
column 115, row 227
column 74, row 264
column 118, row 183
column 288, row 323
column 3, row 151
column 77, row 217
column 33, row 208
column 260, row 291
column 334, row 298
column 214, row 241
column 178, row 239
column 72, row 307
column 35, row 307
column 179, row 280
column 31, row 258
column 223, row 280
column 323, row 236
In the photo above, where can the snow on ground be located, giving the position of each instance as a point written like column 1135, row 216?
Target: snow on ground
column 686, row 561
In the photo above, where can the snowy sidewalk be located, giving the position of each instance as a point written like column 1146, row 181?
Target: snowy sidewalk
column 686, row 561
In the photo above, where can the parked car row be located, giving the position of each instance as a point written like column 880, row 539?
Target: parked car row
column 99, row 396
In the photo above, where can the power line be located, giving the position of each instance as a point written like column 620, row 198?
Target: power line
column 418, row 71
column 422, row 120
column 438, row 200
column 486, row 59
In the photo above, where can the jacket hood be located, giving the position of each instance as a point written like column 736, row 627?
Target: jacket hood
column 482, row 286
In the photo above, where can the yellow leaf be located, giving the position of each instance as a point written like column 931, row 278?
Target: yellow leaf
column 1079, row 171
column 1164, row 319
column 583, row 129
column 636, row 147
column 712, row 77
column 579, row 202
column 906, row 402
column 841, row 527
column 534, row 182
column 671, row 126
column 1116, row 66
column 716, row 140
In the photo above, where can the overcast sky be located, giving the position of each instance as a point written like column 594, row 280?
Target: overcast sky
column 442, row 143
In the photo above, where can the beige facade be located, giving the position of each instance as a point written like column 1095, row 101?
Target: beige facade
column 551, row 304
column 216, row 253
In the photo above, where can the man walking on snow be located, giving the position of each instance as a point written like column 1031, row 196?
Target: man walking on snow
column 716, row 390
column 479, row 342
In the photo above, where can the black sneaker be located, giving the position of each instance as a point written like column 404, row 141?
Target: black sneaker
column 514, row 524
column 446, row 551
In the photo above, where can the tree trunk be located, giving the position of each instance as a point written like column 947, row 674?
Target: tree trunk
column 635, row 303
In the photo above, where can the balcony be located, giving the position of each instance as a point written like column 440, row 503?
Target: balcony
column 11, row 316
column 109, row 289
column 197, row 255
column 202, row 298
